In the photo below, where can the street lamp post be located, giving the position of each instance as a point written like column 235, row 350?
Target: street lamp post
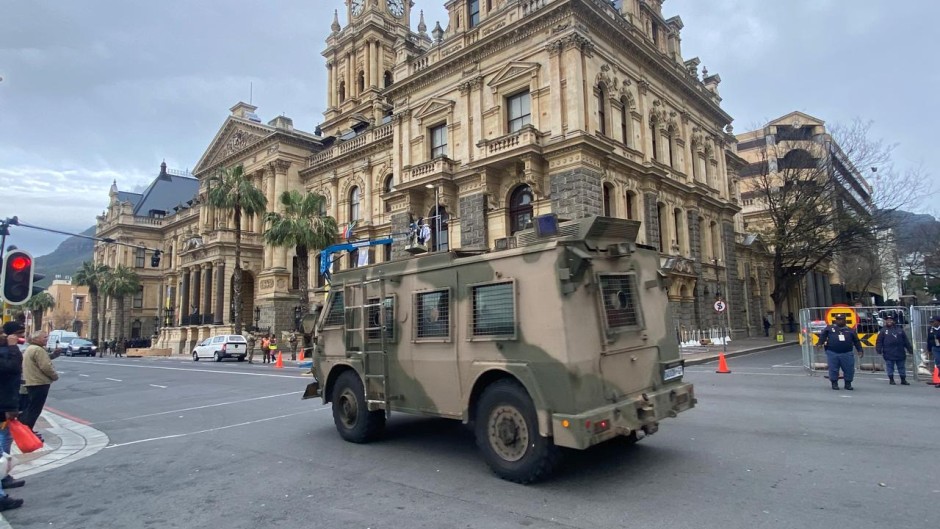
column 297, row 311
column 257, row 318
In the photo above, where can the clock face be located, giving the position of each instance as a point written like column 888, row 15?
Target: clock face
column 396, row 7
column 356, row 6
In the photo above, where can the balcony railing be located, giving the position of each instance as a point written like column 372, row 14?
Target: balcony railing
column 440, row 166
column 376, row 134
column 197, row 319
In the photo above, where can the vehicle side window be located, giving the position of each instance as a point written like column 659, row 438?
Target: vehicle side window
column 375, row 321
column 218, row 339
column 433, row 315
column 494, row 311
column 335, row 315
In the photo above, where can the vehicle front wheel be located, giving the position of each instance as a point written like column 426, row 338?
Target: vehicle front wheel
column 195, row 357
column 507, row 433
column 354, row 422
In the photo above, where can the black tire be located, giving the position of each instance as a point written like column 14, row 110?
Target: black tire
column 507, row 433
column 218, row 357
column 241, row 358
column 195, row 357
column 350, row 413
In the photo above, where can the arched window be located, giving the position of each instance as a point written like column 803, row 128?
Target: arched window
column 601, row 111
column 362, row 81
column 439, row 239
column 520, row 209
column 631, row 205
column 354, row 204
column 625, row 122
column 342, row 91
column 135, row 329
column 388, row 79
column 608, row 206
column 661, row 216
column 386, row 189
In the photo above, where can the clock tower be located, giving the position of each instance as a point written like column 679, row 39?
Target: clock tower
column 361, row 60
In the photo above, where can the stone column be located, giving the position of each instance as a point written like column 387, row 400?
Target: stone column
column 577, row 193
column 368, row 64
column 268, row 186
column 575, row 91
column 331, row 84
column 194, row 281
column 473, row 221
column 279, row 169
column 400, row 222
column 182, row 311
column 650, row 201
column 695, row 247
column 219, row 292
column 206, row 290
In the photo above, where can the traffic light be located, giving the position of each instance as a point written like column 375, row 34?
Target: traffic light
column 155, row 259
column 17, row 277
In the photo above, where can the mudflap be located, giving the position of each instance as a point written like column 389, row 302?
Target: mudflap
column 312, row 391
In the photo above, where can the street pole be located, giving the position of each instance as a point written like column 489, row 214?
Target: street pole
column 437, row 217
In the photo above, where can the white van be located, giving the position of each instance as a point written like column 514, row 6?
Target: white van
column 59, row 340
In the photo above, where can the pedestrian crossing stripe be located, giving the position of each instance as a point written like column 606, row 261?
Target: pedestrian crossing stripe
column 868, row 340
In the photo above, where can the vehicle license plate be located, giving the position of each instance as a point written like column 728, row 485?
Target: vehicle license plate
column 672, row 372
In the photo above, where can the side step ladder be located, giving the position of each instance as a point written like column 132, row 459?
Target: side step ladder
column 366, row 337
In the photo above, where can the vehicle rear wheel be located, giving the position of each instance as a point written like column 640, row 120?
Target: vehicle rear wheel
column 507, row 433
column 218, row 357
column 195, row 357
column 354, row 422
column 241, row 358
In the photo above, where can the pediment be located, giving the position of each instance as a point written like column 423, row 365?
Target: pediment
column 514, row 71
column 234, row 136
column 434, row 107
column 797, row 117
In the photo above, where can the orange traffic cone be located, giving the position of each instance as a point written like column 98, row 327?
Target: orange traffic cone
column 280, row 361
column 936, row 376
column 722, row 364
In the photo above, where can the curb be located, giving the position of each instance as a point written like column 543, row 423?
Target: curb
column 78, row 442
column 712, row 358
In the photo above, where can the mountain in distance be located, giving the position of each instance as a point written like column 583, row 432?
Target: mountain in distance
column 66, row 259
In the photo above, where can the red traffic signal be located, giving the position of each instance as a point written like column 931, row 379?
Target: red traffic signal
column 17, row 277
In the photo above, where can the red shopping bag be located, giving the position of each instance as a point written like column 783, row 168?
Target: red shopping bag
column 24, row 438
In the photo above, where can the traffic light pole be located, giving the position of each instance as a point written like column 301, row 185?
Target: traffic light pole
column 14, row 221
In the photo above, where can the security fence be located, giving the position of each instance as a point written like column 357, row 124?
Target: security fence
column 867, row 322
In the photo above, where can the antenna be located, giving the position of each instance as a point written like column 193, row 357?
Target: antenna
column 251, row 91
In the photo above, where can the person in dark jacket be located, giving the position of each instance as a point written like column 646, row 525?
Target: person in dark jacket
column 839, row 340
column 893, row 344
column 11, row 371
column 933, row 341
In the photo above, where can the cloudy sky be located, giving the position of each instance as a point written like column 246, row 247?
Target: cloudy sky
column 98, row 90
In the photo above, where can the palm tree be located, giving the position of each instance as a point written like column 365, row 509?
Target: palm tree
column 231, row 190
column 91, row 275
column 117, row 284
column 303, row 228
column 38, row 305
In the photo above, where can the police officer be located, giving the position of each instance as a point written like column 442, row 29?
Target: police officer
column 893, row 345
column 839, row 341
column 933, row 341
column 251, row 346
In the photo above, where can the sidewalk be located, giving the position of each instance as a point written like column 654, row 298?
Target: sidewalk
column 65, row 441
column 707, row 353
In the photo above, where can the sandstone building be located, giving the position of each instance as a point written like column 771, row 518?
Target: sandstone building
column 517, row 108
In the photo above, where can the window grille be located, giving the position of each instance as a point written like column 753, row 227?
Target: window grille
column 433, row 310
column 336, row 315
column 494, row 310
column 375, row 321
column 618, row 293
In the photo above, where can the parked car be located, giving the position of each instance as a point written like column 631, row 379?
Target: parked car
column 59, row 339
column 899, row 315
column 222, row 346
column 816, row 326
column 79, row 346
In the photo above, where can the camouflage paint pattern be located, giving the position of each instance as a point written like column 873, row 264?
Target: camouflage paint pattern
column 577, row 372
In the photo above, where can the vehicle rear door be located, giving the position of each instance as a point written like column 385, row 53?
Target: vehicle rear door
column 236, row 345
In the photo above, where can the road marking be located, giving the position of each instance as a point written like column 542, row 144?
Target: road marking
column 113, row 379
column 67, row 416
column 84, row 375
column 247, row 423
column 201, row 407
column 218, row 372
column 157, row 386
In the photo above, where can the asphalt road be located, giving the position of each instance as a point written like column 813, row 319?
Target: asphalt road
column 232, row 446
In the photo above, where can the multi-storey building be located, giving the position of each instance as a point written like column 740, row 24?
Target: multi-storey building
column 518, row 108
column 72, row 310
column 797, row 147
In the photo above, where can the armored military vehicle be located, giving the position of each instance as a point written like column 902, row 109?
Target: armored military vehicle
column 562, row 337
